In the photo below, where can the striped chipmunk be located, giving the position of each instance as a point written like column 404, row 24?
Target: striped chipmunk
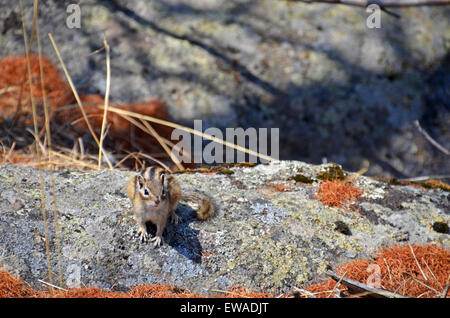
column 155, row 195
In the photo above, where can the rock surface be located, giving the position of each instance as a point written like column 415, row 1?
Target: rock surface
column 261, row 237
column 335, row 88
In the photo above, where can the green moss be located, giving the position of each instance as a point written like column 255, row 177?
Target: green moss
column 394, row 181
column 428, row 184
column 342, row 227
column 440, row 227
column 180, row 171
column 222, row 168
column 226, row 171
column 332, row 173
column 301, row 178
column 433, row 184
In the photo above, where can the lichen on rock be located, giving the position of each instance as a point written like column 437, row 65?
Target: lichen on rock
column 263, row 241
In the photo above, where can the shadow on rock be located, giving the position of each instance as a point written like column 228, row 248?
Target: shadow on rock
column 181, row 236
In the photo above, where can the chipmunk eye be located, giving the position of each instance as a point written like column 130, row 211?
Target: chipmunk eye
column 146, row 192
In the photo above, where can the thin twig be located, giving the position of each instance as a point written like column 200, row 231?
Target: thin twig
column 77, row 162
column 77, row 97
column 51, row 285
column 337, row 284
column 186, row 156
column 96, row 51
column 359, row 173
column 155, row 160
column 424, row 178
column 19, row 101
column 189, row 130
column 423, row 284
column 3, row 150
column 49, row 141
column 105, row 111
column 33, row 106
column 229, row 292
column 354, row 286
column 36, row 138
column 81, row 145
column 431, row 140
column 123, row 160
column 417, row 262
column 388, row 269
column 163, row 144
column 149, row 131
column 429, row 269
column 10, row 151
column 445, row 291
column 304, row 292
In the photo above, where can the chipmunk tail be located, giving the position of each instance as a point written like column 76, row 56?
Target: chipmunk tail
column 205, row 206
column 206, row 210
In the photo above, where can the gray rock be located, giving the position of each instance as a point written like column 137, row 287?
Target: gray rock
column 265, row 240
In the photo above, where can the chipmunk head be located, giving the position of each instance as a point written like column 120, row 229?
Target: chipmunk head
column 153, row 186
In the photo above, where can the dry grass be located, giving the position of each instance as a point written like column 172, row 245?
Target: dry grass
column 126, row 126
column 12, row 287
column 16, row 113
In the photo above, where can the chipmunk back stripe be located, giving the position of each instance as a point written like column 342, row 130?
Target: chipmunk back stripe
column 149, row 173
column 154, row 173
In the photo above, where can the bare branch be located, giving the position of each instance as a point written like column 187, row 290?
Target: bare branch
column 355, row 287
column 445, row 291
column 304, row 292
column 425, row 178
column 431, row 140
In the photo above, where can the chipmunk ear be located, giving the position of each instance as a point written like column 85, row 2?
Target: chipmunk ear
column 140, row 182
column 164, row 184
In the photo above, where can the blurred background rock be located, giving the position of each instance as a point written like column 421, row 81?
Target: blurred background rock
column 337, row 90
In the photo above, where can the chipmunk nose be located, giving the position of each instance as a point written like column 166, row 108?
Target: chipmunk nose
column 156, row 202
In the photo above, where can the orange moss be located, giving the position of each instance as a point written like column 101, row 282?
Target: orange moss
column 398, row 271
column 15, row 89
column 89, row 292
column 435, row 184
column 279, row 187
column 242, row 292
column 124, row 133
column 337, row 193
column 14, row 85
column 160, row 291
column 12, row 287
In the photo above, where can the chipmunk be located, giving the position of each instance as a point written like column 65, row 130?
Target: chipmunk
column 155, row 195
